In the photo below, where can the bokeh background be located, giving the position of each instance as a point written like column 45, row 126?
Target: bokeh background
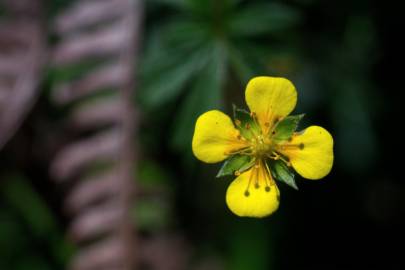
column 196, row 55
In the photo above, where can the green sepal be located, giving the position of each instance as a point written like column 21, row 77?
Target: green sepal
column 245, row 123
column 236, row 163
column 281, row 172
column 286, row 127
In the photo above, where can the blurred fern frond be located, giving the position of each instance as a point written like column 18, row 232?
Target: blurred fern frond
column 22, row 55
column 94, row 67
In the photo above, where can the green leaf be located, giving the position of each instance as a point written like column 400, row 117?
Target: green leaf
column 35, row 214
column 248, row 58
column 286, row 127
column 175, row 53
column 151, row 214
column 235, row 163
column 281, row 172
column 205, row 94
column 245, row 123
column 168, row 80
column 261, row 18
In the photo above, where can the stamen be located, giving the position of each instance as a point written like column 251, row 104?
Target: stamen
column 237, row 173
column 270, row 125
column 244, row 151
column 250, row 180
column 238, row 122
column 277, row 156
column 255, row 120
column 301, row 146
column 274, row 156
column 270, row 178
column 265, row 173
column 287, row 146
column 247, row 126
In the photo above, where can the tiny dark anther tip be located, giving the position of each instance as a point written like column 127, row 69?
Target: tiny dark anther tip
column 301, row 146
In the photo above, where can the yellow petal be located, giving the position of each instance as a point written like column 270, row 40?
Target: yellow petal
column 313, row 158
column 259, row 203
column 270, row 98
column 215, row 136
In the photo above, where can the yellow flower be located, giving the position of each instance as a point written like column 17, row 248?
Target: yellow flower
column 262, row 145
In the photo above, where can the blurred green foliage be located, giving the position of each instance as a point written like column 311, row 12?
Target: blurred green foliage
column 195, row 48
column 30, row 237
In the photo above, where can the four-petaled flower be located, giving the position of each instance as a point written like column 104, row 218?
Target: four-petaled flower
column 262, row 146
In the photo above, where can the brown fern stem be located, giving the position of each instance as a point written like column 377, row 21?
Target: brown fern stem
column 129, row 58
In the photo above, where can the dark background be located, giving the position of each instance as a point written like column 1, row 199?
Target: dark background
column 343, row 57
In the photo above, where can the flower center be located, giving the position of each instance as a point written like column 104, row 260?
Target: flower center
column 261, row 146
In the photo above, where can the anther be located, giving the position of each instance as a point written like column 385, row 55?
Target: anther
column 257, row 186
column 246, row 193
column 301, row 146
column 239, row 137
column 267, row 189
column 247, row 126
column 257, row 166
column 253, row 114
column 237, row 173
column 238, row 122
